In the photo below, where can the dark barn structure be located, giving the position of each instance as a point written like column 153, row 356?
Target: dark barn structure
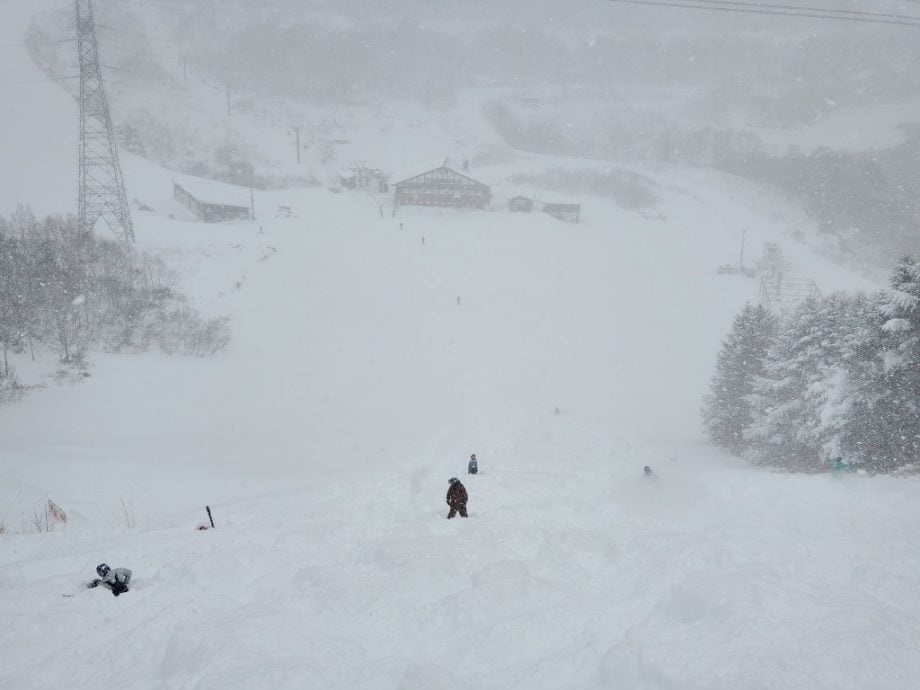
column 209, row 211
column 442, row 186
column 520, row 204
column 566, row 212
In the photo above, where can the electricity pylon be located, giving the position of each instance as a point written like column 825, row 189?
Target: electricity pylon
column 102, row 190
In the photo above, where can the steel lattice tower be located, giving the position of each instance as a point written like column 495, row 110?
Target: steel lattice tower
column 102, row 190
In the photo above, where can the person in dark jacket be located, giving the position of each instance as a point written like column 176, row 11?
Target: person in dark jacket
column 456, row 498
column 116, row 579
column 473, row 466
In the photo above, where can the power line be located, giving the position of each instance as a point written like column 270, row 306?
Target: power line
column 798, row 8
column 136, row 34
column 49, row 80
column 26, row 45
column 21, row 69
column 240, row 11
column 778, row 10
column 126, row 49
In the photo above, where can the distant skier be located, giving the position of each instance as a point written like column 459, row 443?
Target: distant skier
column 473, row 466
column 116, row 579
column 456, row 498
column 648, row 472
column 837, row 466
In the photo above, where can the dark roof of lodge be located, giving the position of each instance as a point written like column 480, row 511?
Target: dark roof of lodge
column 442, row 167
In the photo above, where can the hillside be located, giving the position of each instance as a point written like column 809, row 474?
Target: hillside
column 368, row 361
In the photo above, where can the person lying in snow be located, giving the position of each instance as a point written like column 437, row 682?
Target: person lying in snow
column 116, row 580
column 456, row 498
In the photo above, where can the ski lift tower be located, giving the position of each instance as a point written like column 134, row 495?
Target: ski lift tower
column 780, row 289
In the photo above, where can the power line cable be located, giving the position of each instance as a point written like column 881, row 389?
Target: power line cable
column 715, row 5
column 799, row 8
column 249, row 12
column 49, row 80
column 21, row 69
column 26, row 45
column 773, row 10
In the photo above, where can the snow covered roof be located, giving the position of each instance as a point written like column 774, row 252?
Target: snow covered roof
column 214, row 192
column 396, row 179
column 404, row 173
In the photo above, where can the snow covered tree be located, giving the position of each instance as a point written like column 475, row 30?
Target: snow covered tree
column 835, row 386
column 62, row 286
column 884, row 431
column 799, row 403
column 10, row 299
column 726, row 409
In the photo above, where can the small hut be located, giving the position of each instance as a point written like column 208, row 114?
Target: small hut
column 520, row 204
column 442, row 186
column 209, row 208
column 568, row 212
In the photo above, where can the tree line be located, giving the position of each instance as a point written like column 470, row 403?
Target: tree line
column 65, row 288
column 876, row 223
column 835, row 382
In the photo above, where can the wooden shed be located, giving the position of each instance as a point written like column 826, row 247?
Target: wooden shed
column 210, row 210
column 443, row 186
column 566, row 212
column 520, row 204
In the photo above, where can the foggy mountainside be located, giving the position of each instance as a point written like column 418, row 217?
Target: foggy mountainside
column 460, row 345
column 600, row 80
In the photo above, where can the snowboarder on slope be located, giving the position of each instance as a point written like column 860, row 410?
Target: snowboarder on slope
column 473, row 467
column 456, row 498
column 116, row 580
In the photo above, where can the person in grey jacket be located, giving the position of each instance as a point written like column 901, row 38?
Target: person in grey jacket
column 116, row 579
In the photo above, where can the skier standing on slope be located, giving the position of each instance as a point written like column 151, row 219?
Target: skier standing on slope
column 473, row 467
column 456, row 498
column 116, row 580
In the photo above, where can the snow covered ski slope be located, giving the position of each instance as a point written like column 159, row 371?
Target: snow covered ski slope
column 368, row 361
column 356, row 385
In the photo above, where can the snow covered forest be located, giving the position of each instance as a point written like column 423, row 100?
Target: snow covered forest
column 75, row 292
column 835, row 382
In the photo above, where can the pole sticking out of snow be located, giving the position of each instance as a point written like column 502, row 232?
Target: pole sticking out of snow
column 741, row 258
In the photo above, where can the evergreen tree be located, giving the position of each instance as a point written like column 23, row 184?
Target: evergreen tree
column 885, row 430
column 835, row 387
column 798, row 404
column 726, row 410
column 777, row 399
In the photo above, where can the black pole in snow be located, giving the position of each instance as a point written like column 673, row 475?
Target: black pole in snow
column 208, row 508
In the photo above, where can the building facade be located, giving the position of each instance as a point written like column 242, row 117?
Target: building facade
column 442, row 186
